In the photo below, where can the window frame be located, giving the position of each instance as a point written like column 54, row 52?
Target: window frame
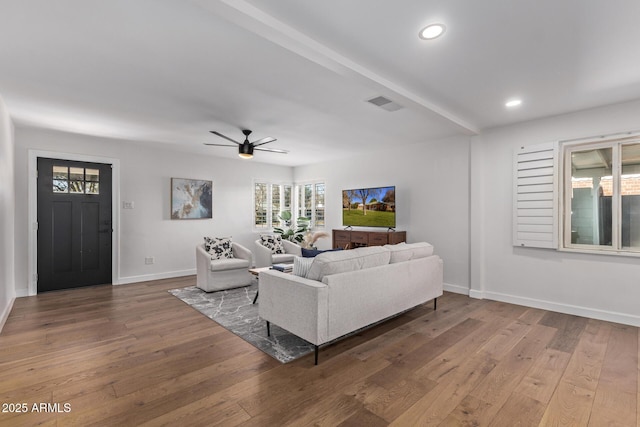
column 298, row 207
column 255, row 226
column 271, row 219
column 316, row 207
column 565, row 188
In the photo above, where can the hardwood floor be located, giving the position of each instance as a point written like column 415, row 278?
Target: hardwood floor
column 135, row 355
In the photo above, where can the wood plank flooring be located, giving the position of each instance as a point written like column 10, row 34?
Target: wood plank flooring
column 135, row 355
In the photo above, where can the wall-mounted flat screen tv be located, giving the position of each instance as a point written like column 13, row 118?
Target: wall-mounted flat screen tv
column 369, row 207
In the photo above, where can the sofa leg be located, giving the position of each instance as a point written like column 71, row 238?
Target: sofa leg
column 435, row 304
column 316, row 355
column 268, row 329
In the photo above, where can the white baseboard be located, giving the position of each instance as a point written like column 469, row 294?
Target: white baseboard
column 476, row 294
column 158, row 276
column 609, row 316
column 131, row 279
column 4, row 314
column 457, row 289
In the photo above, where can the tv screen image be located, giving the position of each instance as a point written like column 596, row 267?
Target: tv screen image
column 369, row 207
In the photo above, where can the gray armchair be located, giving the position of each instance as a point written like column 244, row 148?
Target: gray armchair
column 265, row 258
column 219, row 274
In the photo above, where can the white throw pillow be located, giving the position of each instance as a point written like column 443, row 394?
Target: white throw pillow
column 301, row 266
column 218, row 247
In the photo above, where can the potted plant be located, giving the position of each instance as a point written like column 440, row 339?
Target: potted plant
column 291, row 232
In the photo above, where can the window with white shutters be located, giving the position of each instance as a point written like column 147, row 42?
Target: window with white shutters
column 535, row 212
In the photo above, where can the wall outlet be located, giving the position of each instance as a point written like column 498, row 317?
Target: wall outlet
column 149, row 260
column 127, row 205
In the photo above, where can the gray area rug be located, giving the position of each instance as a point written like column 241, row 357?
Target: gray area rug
column 234, row 310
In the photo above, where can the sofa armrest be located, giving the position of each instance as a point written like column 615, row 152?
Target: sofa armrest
column 203, row 263
column 294, row 303
column 263, row 255
column 241, row 252
column 292, row 248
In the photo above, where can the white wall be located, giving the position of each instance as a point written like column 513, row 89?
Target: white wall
column 599, row 286
column 7, row 216
column 454, row 193
column 432, row 195
column 145, row 173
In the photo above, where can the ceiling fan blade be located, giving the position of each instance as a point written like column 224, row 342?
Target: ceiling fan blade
column 273, row 150
column 225, row 137
column 263, row 141
column 220, row 145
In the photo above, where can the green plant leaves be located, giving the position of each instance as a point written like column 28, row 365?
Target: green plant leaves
column 293, row 233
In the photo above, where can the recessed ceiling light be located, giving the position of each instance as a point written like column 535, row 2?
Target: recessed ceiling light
column 431, row 31
column 513, row 103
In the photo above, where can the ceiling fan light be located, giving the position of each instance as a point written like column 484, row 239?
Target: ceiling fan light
column 245, row 150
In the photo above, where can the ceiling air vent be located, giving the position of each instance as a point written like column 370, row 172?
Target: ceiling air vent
column 384, row 103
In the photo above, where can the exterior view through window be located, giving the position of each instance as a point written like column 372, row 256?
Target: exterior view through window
column 602, row 196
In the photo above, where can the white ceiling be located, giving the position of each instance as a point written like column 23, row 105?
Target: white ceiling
column 168, row 71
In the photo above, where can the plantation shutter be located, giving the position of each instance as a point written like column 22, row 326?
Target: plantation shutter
column 535, row 211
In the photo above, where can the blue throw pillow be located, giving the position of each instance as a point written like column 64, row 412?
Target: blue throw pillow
column 310, row 253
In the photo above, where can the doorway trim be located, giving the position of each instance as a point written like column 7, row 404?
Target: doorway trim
column 33, row 210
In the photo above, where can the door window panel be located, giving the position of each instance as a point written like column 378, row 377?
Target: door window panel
column 76, row 187
column 92, row 187
column 92, row 175
column 60, row 179
column 76, row 180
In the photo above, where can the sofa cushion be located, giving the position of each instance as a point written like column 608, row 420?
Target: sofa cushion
column 329, row 263
column 229, row 264
column 218, row 247
column 310, row 253
column 301, row 266
column 408, row 251
column 273, row 242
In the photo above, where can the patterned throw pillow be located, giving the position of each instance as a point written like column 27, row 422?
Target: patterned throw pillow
column 273, row 242
column 218, row 247
column 301, row 266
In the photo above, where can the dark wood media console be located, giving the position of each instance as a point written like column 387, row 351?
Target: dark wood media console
column 349, row 239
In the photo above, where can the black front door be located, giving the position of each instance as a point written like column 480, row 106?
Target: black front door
column 74, row 224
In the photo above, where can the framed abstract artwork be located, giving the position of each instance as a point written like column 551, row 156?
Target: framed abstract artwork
column 191, row 198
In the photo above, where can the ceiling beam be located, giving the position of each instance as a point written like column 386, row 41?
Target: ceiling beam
column 266, row 26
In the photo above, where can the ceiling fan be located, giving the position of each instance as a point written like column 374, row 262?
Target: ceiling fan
column 245, row 149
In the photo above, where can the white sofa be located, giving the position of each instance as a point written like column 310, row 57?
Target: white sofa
column 348, row 290
column 219, row 274
column 265, row 258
